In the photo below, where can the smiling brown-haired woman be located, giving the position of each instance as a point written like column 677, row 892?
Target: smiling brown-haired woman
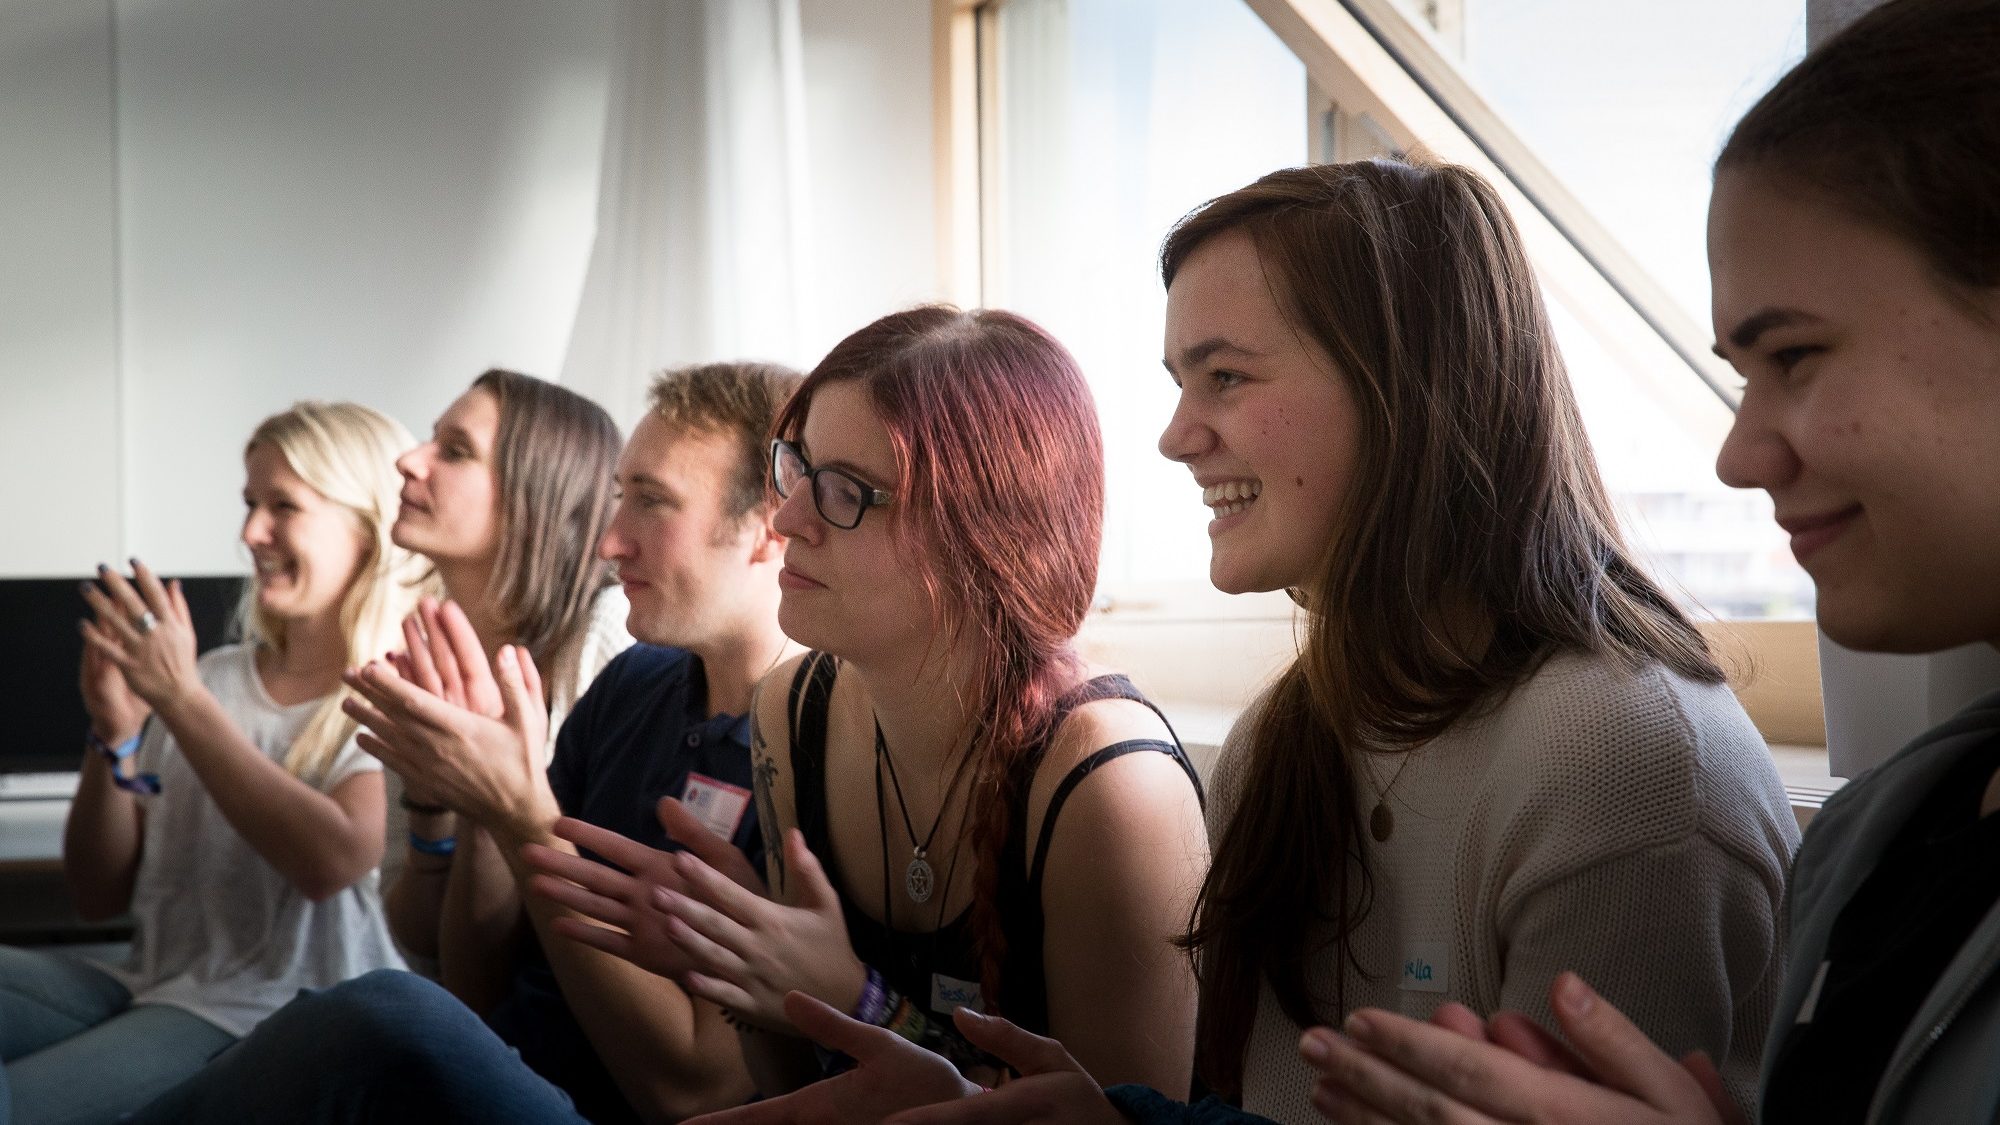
column 1854, row 239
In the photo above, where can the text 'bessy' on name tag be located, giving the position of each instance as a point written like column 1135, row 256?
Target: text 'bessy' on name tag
column 1426, row 967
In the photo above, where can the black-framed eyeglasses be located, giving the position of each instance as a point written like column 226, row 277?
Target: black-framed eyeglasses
column 840, row 497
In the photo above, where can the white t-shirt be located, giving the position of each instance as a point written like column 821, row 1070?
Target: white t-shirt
column 221, row 933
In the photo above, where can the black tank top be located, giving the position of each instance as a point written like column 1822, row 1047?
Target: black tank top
column 909, row 962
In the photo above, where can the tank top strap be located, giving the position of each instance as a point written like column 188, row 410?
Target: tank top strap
column 805, row 723
column 1102, row 687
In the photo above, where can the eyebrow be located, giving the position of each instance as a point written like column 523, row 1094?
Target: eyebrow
column 868, row 476
column 1745, row 335
column 1195, row 354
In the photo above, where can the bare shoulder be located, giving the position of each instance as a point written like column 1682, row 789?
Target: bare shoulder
column 771, row 726
column 1140, row 799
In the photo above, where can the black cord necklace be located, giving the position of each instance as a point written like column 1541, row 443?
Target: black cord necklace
column 919, row 878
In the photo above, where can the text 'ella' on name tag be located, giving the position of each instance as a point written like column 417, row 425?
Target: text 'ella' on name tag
column 717, row 804
column 1426, row 967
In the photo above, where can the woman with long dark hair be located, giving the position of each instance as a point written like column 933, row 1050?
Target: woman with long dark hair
column 1854, row 238
column 508, row 500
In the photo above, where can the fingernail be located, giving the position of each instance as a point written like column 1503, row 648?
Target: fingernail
column 134, row 561
column 1575, row 996
column 1312, row 1047
column 102, row 569
column 1359, row 1026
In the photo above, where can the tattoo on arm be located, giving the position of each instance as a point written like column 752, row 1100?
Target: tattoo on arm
column 763, row 775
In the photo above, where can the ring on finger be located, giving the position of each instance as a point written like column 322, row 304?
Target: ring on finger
column 145, row 622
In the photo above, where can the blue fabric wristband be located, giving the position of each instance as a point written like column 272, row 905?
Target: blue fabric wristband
column 113, row 754
column 445, row 846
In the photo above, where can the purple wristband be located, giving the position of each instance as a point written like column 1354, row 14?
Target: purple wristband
column 873, row 1007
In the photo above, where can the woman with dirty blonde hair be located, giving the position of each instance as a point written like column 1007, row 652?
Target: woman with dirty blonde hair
column 224, row 802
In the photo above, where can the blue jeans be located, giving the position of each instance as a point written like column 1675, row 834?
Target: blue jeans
column 386, row 1047
column 76, row 1049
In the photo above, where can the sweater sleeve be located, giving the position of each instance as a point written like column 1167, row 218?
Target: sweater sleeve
column 1683, row 937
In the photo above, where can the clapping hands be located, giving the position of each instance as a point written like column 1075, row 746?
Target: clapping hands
column 702, row 917
column 141, row 633
column 431, row 719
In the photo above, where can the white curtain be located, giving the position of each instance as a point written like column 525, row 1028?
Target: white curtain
column 702, row 248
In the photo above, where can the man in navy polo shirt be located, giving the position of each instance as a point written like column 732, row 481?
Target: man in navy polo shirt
column 575, row 1033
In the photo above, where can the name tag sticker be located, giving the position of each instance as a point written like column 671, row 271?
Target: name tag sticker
column 1811, row 1003
column 717, row 804
column 949, row 994
column 1426, row 967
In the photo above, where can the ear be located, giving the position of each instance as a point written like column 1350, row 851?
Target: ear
column 767, row 545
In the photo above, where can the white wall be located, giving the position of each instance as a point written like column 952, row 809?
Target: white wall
column 59, row 448
column 868, row 151
column 211, row 208
column 375, row 199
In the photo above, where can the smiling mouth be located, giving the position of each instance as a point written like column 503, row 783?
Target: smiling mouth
column 269, row 570
column 1231, row 497
column 1811, row 533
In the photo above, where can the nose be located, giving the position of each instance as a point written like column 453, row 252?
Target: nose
column 1756, row 453
column 796, row 517
column 1186, row 436
column 412, row 463
column 256, row 528
column 616, row 544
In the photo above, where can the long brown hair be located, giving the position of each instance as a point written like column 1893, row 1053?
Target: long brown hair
column 1897, row 119
column 555, row 457
column 1483, row 543
column 1000, row 503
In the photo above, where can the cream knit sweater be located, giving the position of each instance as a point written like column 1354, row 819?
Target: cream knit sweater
column 1629, row 827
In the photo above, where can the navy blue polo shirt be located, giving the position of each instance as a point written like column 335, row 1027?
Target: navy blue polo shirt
column 641, row 732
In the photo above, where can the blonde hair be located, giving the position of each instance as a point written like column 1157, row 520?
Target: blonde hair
column 346, row 453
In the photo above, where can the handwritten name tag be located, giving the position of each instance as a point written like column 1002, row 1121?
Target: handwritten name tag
column 948, row 994
column 717, row 804
column 1426, row 967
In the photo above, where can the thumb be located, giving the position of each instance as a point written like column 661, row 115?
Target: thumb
column 813, row 890
column 833, row 1029
column 1616, row 1051
column 1025, row 1051
column 1698, row 1064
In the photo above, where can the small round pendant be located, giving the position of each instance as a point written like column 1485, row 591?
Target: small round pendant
column 919, row 880
column 1381, row 822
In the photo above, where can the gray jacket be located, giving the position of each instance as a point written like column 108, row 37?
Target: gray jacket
column 1946, row 1066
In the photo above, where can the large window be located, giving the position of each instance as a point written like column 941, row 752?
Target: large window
column 1112, row 119
column 1102, row 121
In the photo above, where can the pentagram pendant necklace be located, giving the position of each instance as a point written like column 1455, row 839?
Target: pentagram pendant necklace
column 919, row 878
